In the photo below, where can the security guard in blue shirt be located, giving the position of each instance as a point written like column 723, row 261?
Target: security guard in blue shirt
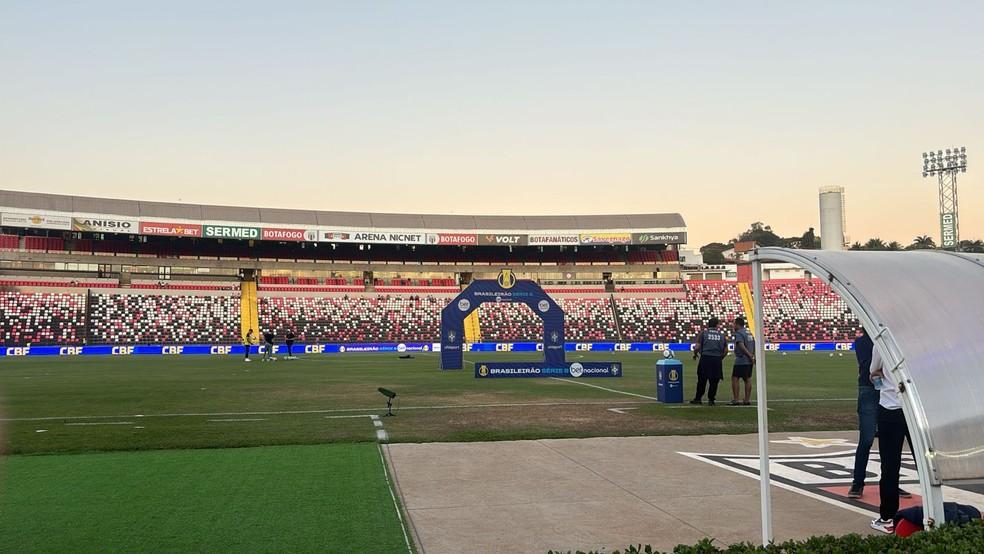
column 711, row 348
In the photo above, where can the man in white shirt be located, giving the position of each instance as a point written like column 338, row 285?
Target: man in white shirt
column 892, row 432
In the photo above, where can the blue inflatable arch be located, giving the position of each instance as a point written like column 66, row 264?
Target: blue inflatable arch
column 504, row 289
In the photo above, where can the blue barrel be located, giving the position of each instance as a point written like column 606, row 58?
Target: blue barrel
column 669, row 381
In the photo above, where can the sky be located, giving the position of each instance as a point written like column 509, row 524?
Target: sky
column 726, row 112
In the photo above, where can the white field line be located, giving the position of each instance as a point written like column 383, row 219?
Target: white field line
column 603, row 388
column 331, row 411
column 104, row 423
column 382, row 435
column 348, row 416
column 439, row 407
column 241, row 419
column 396, row 505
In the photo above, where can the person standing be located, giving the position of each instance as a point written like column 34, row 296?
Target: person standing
column 289, row 341
column 711, row 348
column 268, row 351
column 892, row 431
column 247, row 341
column 867, row 413
column 744, row 360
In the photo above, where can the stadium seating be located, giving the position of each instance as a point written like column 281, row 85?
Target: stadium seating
column 161, row 318
column 364, row 319
column 41, row 318
column 9, row 242
column 794, row 310
column 806, row 310
column 678, row 319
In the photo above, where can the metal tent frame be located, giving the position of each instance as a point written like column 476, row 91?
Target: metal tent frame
column 929, row 305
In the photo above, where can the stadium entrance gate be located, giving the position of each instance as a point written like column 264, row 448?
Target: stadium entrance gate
column 506, row 288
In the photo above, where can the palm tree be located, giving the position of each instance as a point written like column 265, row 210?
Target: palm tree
column 922, row 242
column 856, row 246
column 874, row 244
column 972, row 246
column 894, row 245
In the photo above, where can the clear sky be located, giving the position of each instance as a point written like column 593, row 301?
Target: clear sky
column 727, row 112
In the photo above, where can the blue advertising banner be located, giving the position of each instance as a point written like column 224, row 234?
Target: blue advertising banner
column 495, row 370
column 238, row 349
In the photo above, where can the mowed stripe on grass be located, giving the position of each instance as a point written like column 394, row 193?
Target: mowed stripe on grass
column 325, row 498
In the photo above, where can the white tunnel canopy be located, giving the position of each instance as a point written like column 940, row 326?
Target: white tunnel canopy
column 925, row 311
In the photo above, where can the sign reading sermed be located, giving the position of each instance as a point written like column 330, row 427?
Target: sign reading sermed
column 948, row 230
column 670, row 237
column 606, row 238
column 452, row 239
column 276, row 233
column 36, row 220
column 554, row 240
column 170, row 229
column 493, row 370
column 502, row 240
column 105, row 225
column 231, row 232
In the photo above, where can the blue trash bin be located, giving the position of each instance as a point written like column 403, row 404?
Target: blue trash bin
column 669, row 381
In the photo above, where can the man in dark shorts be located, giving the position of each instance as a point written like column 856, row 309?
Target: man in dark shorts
column 268, row 351
column 744, row 360
column 711, row 348
column 289, row 341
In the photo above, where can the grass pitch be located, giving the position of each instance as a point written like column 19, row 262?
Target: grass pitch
column 141, row 403
column 144, row 462
column 329, row 498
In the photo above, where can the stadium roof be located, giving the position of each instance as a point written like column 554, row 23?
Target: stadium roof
column 203, row 212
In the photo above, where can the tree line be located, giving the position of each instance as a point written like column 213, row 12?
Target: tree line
column 763, row 235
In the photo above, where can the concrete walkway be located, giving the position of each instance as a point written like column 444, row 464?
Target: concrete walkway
column 607, row 493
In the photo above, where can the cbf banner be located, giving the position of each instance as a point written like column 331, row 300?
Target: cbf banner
column 506, row 288
column 492, row 370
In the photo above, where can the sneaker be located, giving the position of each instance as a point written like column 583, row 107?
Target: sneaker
column 734, row 403
column 247, row 360
column 696, row 401
column 886, row 526
column 856, row 491
column 746, row 403
column 710, row 402
column 904, row 493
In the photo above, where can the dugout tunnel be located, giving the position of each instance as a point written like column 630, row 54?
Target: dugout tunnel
column 924, row 310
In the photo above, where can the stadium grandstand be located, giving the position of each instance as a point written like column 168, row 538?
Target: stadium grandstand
column 77, row 270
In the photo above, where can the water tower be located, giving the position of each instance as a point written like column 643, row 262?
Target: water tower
column 833, row 222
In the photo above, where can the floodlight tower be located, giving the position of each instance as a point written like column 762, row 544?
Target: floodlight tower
column 945, row 167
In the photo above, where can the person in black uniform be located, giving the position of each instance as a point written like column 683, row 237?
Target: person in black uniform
column 289, row 341
column 268, row 351
column 711, row 348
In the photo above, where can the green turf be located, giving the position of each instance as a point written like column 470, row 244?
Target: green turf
column 179, row 397
column 327, row 498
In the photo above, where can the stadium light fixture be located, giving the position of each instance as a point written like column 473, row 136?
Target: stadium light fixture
column 945, row 166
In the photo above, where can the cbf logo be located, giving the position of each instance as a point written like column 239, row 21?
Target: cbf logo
column 673, row 376
column 483, row 371
column 506, row 279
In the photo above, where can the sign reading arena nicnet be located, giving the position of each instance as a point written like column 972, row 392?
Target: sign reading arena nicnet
column 392, row 237
column 39, row 220
column 231, row 232
column 273, row 233
column 170, row 229
column 105, row 225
